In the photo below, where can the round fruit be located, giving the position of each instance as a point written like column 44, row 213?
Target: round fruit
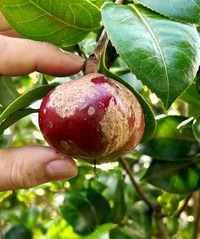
column 93, row 118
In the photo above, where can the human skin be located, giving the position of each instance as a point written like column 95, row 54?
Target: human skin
column 28, row 166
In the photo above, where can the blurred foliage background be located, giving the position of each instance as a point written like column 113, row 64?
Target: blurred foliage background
column 153, row 192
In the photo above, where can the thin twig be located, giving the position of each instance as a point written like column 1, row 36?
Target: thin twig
column 197, row 219
column 183, row 207
column 92, row 63
column 137, row 187
column 156, row 211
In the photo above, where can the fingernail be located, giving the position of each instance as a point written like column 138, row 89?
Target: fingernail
column 60, row 169
column 75, row 57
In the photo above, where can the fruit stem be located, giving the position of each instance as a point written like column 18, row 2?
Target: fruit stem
column 95, row 168
column 92, row 63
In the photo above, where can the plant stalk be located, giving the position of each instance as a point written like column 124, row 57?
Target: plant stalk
column 155, row 211
column 162, row 232
column 197, row 219
column 137, row 187
column 92, row 63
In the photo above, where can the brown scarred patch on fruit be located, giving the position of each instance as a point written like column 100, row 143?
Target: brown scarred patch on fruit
column 115, row 127
column 76, row 96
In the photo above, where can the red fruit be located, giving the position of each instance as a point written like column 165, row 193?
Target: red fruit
column 93, row 118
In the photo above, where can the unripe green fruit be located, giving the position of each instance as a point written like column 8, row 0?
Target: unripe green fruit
column 93, row 118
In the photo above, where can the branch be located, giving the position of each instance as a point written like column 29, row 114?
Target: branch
column 137, row 187
column 197, row 219
column 162, row 232
column 184, row 206
column 92, row 63
column 156, row 211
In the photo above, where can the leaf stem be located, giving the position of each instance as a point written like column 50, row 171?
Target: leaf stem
column 92, row 63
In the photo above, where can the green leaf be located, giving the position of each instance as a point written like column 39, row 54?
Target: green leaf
column 61, row 22
column 18, row 232
column 180, row 177
column 140, row 214
column 79, row 213
column 100, row 204
column 14, row 117
column 102, row 232
column 196, row 128
column 171, row 141
column 128, row 233
column 192, row 97
column 163, row 54
column 25, row 100
column 8, row 92
column 114, row 193
column 181, row 10
column 172, row 225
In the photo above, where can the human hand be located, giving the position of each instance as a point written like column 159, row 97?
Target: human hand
column 28, row 166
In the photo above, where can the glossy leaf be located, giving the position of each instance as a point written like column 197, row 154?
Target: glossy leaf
column 182, row 10
column 162, row 53
column 18, row 232
column 25, row 100
column 102, row 232
column 14, row 117
column 175, row 177
column 8, row 91
column 196, row 128
column 61, row 22
column 140, row 214
column 171, row 141
column 114, row 193
column 79, row 213
column 192, row 97
column 100, row 204
column 128, row 233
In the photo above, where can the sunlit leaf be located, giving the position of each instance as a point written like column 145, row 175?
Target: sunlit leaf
column 15, row 116
column 128, row 233
column 25, row 100
column 102, row 232
column 61, row 22
column 163, row 54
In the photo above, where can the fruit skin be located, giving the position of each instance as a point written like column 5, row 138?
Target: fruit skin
column 93, row 118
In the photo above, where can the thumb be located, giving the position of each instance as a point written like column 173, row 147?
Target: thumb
column 28, row 166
